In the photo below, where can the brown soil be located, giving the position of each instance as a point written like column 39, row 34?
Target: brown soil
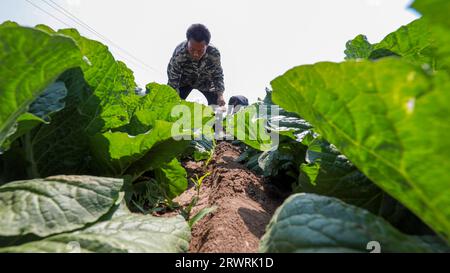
column 244, row 205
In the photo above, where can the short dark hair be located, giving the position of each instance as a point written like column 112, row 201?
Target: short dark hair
column 199, row 33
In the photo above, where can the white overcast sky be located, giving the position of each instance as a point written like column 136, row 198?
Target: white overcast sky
column 258, row 40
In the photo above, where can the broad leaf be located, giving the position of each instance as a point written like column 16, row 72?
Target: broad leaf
column 313, row 223
column 329, row 173
column 127, row 233
column 249, row 126
column 358, row 48
column 389, row 118
column 51, row 101
column 24, row 124
column 57, row 204
column 283, row 159
column 173, row 178
column 201, row 149
column 118, row 153
column 30, row 61
column 63, row 145
column 412, row 42
column 9, row 24
column 435, row 12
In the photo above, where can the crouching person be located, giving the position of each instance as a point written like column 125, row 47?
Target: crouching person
column 196, row 64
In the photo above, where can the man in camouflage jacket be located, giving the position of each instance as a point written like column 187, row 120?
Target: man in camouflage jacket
column 196, row 64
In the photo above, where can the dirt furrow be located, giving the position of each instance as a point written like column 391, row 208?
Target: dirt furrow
column 244, row 206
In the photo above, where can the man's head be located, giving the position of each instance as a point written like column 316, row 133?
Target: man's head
column 198, row 37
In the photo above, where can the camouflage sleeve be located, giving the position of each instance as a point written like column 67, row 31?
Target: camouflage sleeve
column 217, row 73
column 174, row 73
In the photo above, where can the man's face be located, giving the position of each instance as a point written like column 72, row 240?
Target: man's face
column 197, row 50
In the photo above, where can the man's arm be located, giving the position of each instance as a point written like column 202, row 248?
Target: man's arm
column 217, row 75
column 174, row 73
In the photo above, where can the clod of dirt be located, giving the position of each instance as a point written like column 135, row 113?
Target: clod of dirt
column 244, row 207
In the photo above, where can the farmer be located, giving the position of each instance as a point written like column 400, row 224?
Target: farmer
column 196, row 64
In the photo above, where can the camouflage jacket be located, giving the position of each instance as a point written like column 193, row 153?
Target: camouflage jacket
column 205, row 75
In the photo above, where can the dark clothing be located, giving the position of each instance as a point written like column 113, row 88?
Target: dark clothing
column 238, row 100
column 205, row 75
column 236, row 103
column 210, row 96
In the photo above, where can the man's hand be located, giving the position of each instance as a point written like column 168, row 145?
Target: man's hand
column 220, row 99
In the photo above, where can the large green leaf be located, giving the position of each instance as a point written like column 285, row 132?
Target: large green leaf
column 358, row 48
column 119, row 153
column 263, row 124
column 202, row 149
column 329, row 173
column 389, row 118
column 285, row 123
column 164, row 184
column 9, row 24
column 63, row 145
column 50, row 102
column 173, row 178
column 30, row 60
column 57, row 204
column 93, row 104
column 283, row 159
column 249, row 126
column 128, row 233
column 435, row 12
column 101, row 102
column 313, row 223
column 162, row 103
column 24, row 124
column 156, row 105
column 412, row 42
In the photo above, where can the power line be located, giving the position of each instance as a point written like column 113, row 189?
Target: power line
column 75, row 19
column 48, row 13
column 59, row 20
column 90, row 29
column 72, row 17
